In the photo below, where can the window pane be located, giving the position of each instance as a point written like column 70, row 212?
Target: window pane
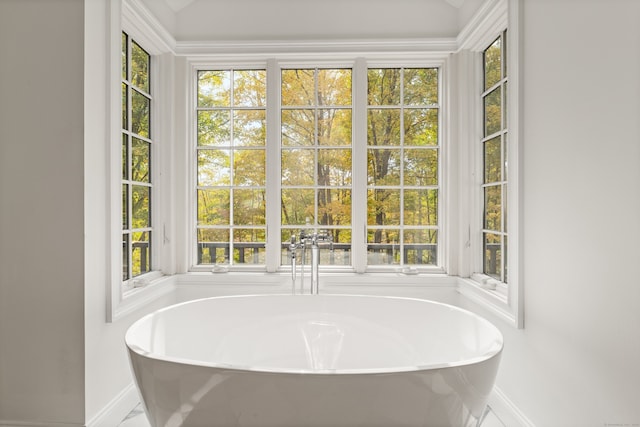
column 341, row 248
column 140, row 114
column 384, row 86
column 383, row 167
column 383, row 246
column 140, row 160
column 383, row 207
column 493, row 207
column 123, row 56
column 298, row 206
column 298, row 87
column 493, row 64
column 298, row 167
column 492, row 160
column 214, row 89
column 383, row 127
column 421, row 167
column 140, row 253
column 249, row 246
column 214, row 168
column 125, row 157
column 493, row 112
column 250, row 88
column 140, row 206
column 125, row 207
column 421, row 86
column 213, row 246
column 249, row 207
column 334, row 167
column 421, row 246
column 334, row 127
column 504, row 208
column 334, row 206
column 139, row 67
column 214, row 128
column 298, row 127
column 504, row 54
column 125, row 107
column 421, row 126
column 249, row 168
column 249, row 128
column 125, row 257
column 421, row 207
column 334, row 87
column 340, row 255
column 492, row 250
column 213, row 207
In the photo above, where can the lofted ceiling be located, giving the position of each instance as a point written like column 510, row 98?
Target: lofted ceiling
column 178, row 5
column 286, row 20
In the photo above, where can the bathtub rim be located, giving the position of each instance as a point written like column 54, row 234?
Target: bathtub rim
column 495, row 350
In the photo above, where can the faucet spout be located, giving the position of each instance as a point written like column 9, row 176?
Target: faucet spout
column 309, row 241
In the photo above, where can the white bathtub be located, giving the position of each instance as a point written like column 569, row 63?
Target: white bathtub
column 314, row 360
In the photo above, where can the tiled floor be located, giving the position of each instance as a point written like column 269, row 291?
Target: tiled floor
column 137, row 419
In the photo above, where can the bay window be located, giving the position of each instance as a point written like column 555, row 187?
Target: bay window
column 406, row 155
column 398, row 174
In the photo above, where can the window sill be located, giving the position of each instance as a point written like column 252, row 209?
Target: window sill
column 493, row 298
column 140, row 295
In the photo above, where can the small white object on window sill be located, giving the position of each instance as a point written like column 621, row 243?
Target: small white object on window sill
column 489, row 283
column 220, row 268
column 485, row 282
column 140, row 283
column 409, row 270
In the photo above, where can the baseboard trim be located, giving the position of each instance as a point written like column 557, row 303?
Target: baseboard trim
column 10, row 423
column 116, row 410
column 507, row 411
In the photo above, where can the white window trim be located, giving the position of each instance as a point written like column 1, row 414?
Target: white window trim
column 124, row 298
column 505, row 301
column 457, row 259
column 336, row 58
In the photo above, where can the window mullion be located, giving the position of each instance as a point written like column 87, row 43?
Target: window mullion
column 359, row 165
column 273, row 167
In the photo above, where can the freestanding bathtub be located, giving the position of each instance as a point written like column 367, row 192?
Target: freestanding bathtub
column 314, row 360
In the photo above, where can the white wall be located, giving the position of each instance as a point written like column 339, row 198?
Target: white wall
column 60, row 362
column 576, row 363
column 108, row 382
column 41, row 215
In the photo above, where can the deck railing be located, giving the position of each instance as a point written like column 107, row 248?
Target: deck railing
column 383, row 253
column 386, row 253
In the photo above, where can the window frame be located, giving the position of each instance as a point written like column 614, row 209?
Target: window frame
column 458, row 62
column 359, row 66
column 504, row 300
column 232, row 149
column 138, row 280
column 480, row 274
column 124, row 297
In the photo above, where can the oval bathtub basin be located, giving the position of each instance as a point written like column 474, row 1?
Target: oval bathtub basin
column 313, row 360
